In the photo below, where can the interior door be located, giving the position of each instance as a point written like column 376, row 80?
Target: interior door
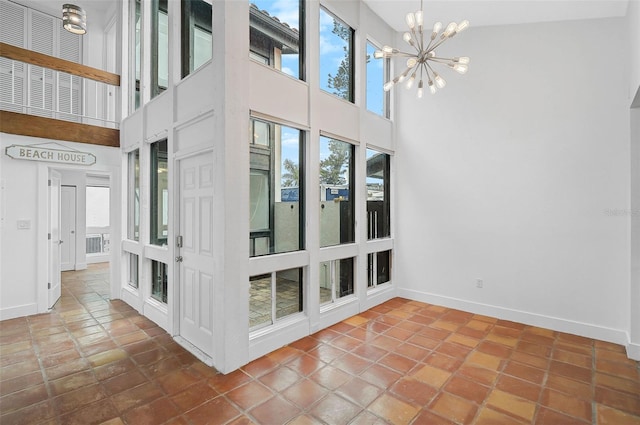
column 195, row 250
column 68, row 228
column 54, row 237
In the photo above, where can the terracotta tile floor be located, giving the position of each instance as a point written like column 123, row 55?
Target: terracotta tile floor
column 93, row 361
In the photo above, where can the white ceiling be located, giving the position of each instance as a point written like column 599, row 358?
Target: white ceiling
column 497, row 12
column 96, row 9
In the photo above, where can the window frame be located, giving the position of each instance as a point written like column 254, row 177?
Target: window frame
column 189, row 21
column 386, row 72
column 154, row 200
column 386, row 206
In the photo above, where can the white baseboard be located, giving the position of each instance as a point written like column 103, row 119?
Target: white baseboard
column 18, row 311
column 633, row 351
column 588, row 330
column 81, row 266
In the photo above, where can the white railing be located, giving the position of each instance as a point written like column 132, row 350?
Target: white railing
column 34, row 90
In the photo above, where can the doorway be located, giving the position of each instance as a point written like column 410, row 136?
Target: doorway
column 68, row 228
column 53, row 281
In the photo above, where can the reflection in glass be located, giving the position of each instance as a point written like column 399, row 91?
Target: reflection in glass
column 378, row 268
column 264, row 310
column 197, row 41
column 378, row 202
column 275, row 216
column 133, row 216
column 159, row 288
column 336, row 192
column 336, row 56
column 276, row 38
column 336, row 279
column 160, row 47
column 133, row 270
column 159, row 193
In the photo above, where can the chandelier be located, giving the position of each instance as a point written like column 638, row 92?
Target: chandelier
column 420, row 64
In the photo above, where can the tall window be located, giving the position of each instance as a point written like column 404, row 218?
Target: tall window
column 138, row 50
column 378, row 268
column 378, row 188
column 196, row 35
column 274, row 296
column 337, row 173
column 133, row 270
column 159, row 193
column 277, row 34
column 133, row 204
column 377, row 74
column 160, row 47
column 336, row 280
column 276, row 189
column 336, row 56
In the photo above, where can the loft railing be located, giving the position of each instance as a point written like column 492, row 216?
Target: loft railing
column 47, row 87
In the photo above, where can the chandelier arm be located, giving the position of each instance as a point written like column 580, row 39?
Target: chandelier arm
column 441, row 60
column 438, row 43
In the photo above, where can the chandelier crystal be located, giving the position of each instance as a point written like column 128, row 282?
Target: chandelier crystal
column 419, row 64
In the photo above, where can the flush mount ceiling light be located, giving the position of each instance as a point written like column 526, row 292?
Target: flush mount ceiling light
column 74, row 19
column 419, row 64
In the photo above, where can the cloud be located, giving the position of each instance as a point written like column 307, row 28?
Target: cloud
column 330, row 43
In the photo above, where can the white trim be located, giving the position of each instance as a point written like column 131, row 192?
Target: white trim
column 588, row 330
column 281, row 333
column 200, row 355
column 633, row 351
column 18, row 311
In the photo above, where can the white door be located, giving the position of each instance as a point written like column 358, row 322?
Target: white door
column 54, row 237
column 68, row 228
column 195, row 257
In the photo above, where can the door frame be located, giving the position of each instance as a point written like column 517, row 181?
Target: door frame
column 42, row 220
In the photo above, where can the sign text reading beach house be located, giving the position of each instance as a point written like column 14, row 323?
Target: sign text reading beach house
column 35, row 153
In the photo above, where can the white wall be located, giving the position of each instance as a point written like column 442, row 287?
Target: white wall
column 23, row 261
column 633, row 25
column 515, row 173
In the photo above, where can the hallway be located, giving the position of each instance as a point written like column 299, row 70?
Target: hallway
column 95, row 361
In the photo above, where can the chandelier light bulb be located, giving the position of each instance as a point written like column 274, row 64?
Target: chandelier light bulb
column 378, row 54
column 411, row 62
column 432, row 87
column 387, row 86
column 462, row 26
column 419, row 19
column 436, row 29
column 440, row 82
column 463, row 60
column 411, row 20
column 450, row 30
column 410, row 81
column 388, row 49
column 420, row 89
column 461, row 68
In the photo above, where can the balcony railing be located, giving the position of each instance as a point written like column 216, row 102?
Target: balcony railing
column 44, row 86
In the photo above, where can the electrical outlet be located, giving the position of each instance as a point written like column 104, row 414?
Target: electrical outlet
column 479, row 283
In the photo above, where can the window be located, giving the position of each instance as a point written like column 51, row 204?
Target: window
column 378, row 202
column 159, row 193
column 160, row 47
column 276, row 36
column 265, row 308
column 97, row 219
column 336, row 56
column 133, row 216
column 159, row 281
column 276, row 189
column 336, row 280
column 377, row 74
column 133, row 270
column 378, row 268
column 336, row 192
column 196, row 35
column 136, row 54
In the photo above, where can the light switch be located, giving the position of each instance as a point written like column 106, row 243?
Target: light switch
column 24, row 224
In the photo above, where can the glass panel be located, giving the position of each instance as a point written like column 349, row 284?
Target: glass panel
column 160, row 52
column 344, row 277
column 326, row 283
column 288, row 292
column 260, row 300
column 378, row 203
column 138, row 45
column 378, row 268
column 159, row 281
column 196, row 35
column 276, row 38
column 336, row 192
column 159, row 193
column 275, row 189
column 336, row 56
column 377, row 73
column 133, row 228
column 133, row 270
